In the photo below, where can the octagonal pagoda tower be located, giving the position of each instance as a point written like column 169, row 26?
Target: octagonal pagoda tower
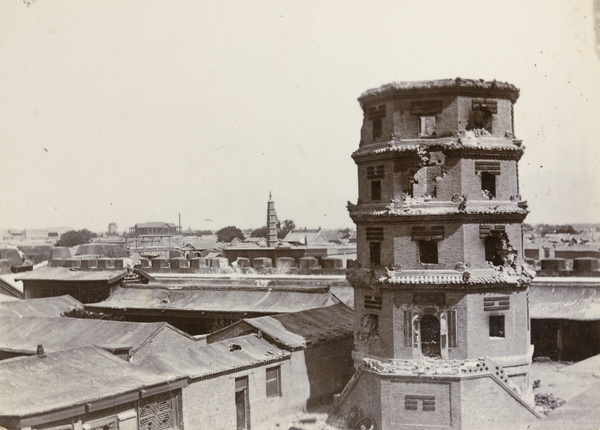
column 442, row 332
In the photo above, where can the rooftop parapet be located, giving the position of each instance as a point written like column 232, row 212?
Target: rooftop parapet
column 457, row 86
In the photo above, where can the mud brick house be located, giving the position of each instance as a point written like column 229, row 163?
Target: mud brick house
column 128, row 340
column 320, row 342
column 245, row 382
column 91, row 389
column 441, row 299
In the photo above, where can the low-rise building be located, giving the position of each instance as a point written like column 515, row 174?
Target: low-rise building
column 87, row 286
column 154, row 228
column 129, row 340
column 87, row 388
column 200, row 306
column 320, row 341
column 44, row 307
column 245, row 382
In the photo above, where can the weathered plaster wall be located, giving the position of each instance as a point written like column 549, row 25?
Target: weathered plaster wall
column 486, row 405
column 210, row 403
column 396, row 415
column 363, row 400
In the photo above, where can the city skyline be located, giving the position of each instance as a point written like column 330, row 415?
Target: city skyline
column 140, row 111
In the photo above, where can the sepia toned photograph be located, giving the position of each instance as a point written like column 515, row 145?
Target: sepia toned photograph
column 299, row 215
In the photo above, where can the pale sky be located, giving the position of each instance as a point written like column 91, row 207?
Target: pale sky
column 137, row 110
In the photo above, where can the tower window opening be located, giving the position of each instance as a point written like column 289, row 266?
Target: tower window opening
column 497, row 326
column 375, row 253
column 428, row 251
column 481, row 119
column 488, row 183
column 493, row 250
column 375, row 190
column 427, row 125
column 430, row 336
column 377, row 129
column 370, row 324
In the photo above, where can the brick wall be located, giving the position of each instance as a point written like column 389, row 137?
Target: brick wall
column 461, row 243
column 454, row 116
column 506, row 181
column 517, row 337
column 474, row 252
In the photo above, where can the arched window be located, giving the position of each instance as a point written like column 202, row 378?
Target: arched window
column 430, row 336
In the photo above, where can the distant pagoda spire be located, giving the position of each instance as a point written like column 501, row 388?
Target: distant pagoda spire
column 271, row 223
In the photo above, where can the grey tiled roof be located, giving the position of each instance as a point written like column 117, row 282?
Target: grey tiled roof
column 432, row 210
column 478, row 143
column 475, row 277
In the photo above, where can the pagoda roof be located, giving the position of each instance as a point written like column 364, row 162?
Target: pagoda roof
column 474, row 208
column 477, row 87
column 439, row 278
column 467, row 143
column 453, row 277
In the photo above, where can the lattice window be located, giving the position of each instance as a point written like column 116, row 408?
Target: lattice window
column 426, row 107
column 434, row 232
column 375, row 172
column 499, row 303
column 481, row 104
column 411, row 403
column 158, row 412
column 375, row 233
column 486, row 229
column 375, row 112
column 492, row 167
column 373, row 302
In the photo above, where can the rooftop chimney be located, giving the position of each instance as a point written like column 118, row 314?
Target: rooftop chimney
column 40, row 351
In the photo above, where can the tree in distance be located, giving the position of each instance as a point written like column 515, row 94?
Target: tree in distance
column 227, row 234
column 283, row 228
column 76, row 237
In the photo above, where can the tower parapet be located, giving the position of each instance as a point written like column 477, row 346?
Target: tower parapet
column 441, row 282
